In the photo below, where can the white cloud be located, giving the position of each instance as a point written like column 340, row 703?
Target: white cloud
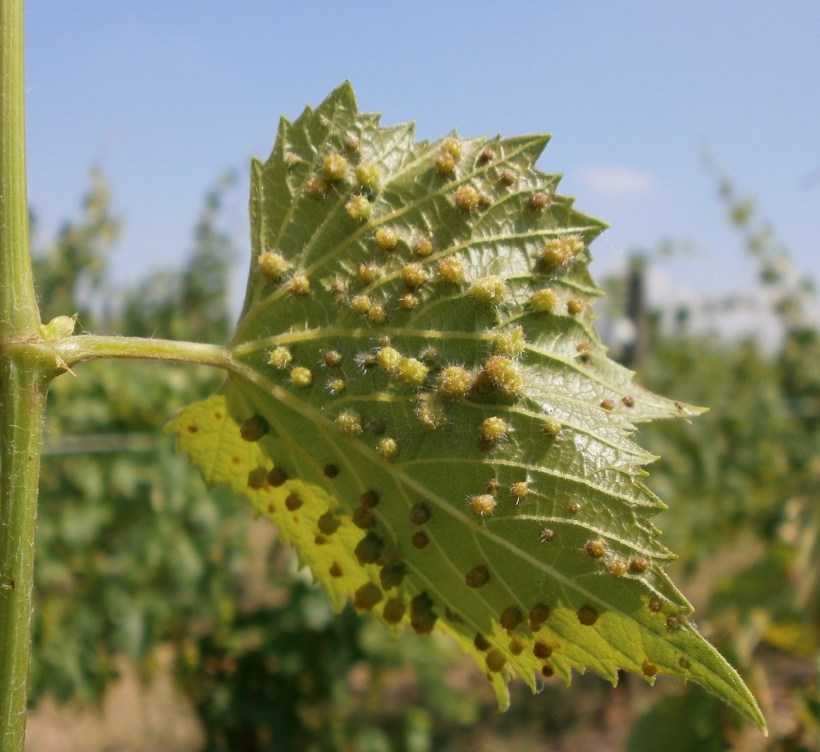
column 617, row 181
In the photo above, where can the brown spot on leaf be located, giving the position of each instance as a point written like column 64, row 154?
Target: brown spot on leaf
column 479, row 575
column 393, row 611
column 511, row 617
column 367, row 596
column 277, row 477
column 541, row 650
column 293, row 502
column 420, row 514
column 254, row 428
column 369, row 549
column 421, row 539
column 587, row 615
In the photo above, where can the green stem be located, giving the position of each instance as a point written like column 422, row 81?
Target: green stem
column 22, row 398
column 22, row 391
column 18, row 306
column 73, row 350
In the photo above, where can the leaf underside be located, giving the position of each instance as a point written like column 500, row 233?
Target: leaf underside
column 418, row 399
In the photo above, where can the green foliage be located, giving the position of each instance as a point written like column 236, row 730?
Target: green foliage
column 419, row 400
column 132, row 551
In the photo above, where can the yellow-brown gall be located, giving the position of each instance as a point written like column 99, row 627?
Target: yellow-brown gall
column 349, row 422
column 387, row 447
column 489, row 290
column 301, row 377
column 494, row 428
column 414, row 275
column 544, row 301
column 560, row 251
column 423, row 247
column 649, row 669
column 369, row 273
column 539, row 201
column 412, row 371
column 389, row 359
column 360, row 303
column 316, row 187
column 377, row 314
column 638, row 565
column 503, row 374
column 482, row 505
column 550, row 426
column 595, row 548
column 510, row 342
column 541, row 650
column 332, row 358
column 430, row 412
column 575, row 306
column 280, row 357
column 358, row 208
column 272, row 264
column 368, row 176
column 291, row 159
column 616, row 567
column 299, row 284
column 408, row 302
column 607, row 405
column 351, row 142
column 506, row 178
column 495, row 660
column 386, row 239
column 486, row 156
column 336, row 386
column 335, row 166
column 451, row 146
column 628, row 401
column 467, row 198
column 511, row 617
column 520, row 490
column 455, row 381
column 445, row 164
column 451, row 270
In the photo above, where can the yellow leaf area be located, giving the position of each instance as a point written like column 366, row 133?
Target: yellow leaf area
column 328, row 537
column 211, row 439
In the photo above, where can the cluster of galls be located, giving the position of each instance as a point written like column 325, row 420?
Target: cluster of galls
column 596, row 548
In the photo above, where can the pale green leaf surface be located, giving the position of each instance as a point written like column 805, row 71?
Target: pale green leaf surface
column 585, row 485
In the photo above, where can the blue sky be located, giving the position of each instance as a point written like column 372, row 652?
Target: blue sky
column 166, row 95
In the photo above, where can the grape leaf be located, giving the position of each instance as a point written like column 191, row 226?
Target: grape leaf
column 420, row 402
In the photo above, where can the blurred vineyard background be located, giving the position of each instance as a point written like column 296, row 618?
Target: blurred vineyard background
column 168, row 619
